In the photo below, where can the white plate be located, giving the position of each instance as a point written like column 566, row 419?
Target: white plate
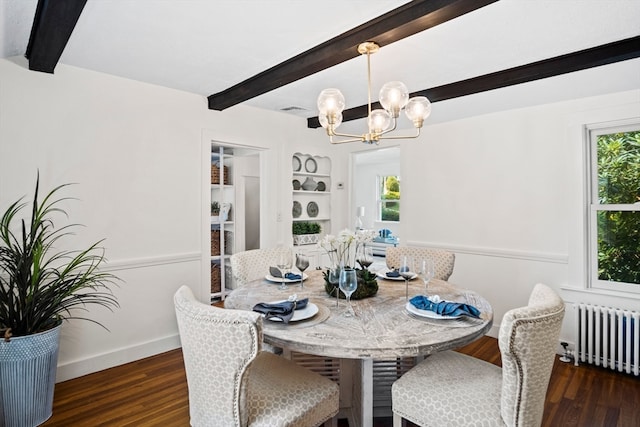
column 270, row 278
column 383, row 274
column 428, row 313
column 304, row 313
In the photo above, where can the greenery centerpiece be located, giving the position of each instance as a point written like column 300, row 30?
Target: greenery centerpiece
column 40, row 286
column 341, row 250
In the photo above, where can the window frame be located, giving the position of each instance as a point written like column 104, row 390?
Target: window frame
column 380, row 201
column 594, row 206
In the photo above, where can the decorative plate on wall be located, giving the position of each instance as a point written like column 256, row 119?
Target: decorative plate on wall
column 312, row 209
column 297, row 209
column 310, row 165
column 297, row 164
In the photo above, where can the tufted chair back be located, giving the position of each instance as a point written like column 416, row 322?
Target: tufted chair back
column 254, row 264
column 443, row 260
column 218, row 345
column 528, row 339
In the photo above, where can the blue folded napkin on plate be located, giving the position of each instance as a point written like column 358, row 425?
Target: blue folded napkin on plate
column 275, row 272
column 280, row 310
column 393, row 273
column 444, row 308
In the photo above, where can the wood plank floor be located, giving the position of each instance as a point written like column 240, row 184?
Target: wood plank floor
column 153, row 392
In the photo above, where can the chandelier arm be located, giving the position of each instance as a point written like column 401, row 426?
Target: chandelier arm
column 349, row 135
column 369, row 89
column 391, row 129
column 403, row 136
column 354, row 139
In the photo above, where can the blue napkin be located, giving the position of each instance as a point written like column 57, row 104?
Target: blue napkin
column 393, row 273
column 444, row 308
column 280, row 310
column 275, row 272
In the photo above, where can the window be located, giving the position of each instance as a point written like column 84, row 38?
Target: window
column 614, row 208
column 388, row 196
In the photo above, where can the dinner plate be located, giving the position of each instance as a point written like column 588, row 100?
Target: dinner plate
column 310, row 165
column 428, row 313
column 297, row 164
column 296, row 211
column 304, row 313
column 279, row 279
column 312, row 209
column 383, row 274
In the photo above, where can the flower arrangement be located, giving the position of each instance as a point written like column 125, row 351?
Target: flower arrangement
column 342, row 251
column 343, row 247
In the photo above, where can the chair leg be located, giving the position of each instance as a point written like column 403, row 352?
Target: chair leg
column 397, row 420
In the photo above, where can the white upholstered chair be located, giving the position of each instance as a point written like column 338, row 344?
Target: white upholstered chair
column 453, row 389
column 443, row 260
column 232, row 383
column 253, row 264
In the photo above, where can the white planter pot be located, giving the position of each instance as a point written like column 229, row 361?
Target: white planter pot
column 305, row 239
column 27, row 378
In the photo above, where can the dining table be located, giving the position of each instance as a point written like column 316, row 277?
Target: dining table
column 382, row 327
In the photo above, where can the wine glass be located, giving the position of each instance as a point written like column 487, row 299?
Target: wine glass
column 348, row 285
column 302, row 263
column 284, row 265
column 426, row 271
column 406, row 271
column 365, row 256
column 334, row 279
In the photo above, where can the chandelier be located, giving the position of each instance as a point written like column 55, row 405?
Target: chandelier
column 394, row 97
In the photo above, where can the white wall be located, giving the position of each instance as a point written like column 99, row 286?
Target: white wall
column 498, row 189
column 135, row 151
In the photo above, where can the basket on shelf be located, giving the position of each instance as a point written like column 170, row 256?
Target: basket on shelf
column 216, row 283
column 215, row 174
column 215, row 242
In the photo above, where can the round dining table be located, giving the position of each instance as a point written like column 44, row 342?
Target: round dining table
column 384, row 327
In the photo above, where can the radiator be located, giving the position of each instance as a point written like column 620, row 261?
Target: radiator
column 608, row 337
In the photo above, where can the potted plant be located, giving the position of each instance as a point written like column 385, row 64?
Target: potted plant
column 40, row 286
column 305, row 233
column 215, row 211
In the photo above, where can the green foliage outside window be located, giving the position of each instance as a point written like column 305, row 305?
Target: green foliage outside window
column 619, row 183
column 390, row 211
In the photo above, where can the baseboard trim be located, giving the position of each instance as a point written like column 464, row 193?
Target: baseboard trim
column 78, row 368
column 497, row 253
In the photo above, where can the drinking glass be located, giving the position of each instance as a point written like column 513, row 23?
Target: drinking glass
column 302, row 263
column 284, row 265
column 365, row 256
column 348, row 285
column 334, row 279
column 406, row 271
column 426, row 271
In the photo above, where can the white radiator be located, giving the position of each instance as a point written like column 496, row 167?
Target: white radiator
column 608, row 337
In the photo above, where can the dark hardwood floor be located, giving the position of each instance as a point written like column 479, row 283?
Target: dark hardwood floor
column 153, row 392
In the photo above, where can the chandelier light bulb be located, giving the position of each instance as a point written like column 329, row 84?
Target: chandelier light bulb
column 379, row 121
column 418, row 109
column 331, row 101
column 393, row 97
column 325, row 121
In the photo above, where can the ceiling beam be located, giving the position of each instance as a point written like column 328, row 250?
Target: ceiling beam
column 53, row 24
column 621, row 50
column 406, row 20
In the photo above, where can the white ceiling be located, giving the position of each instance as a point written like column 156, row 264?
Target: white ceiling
column 204, row 46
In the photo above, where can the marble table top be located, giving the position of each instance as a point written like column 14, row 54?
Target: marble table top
column 382, row 327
